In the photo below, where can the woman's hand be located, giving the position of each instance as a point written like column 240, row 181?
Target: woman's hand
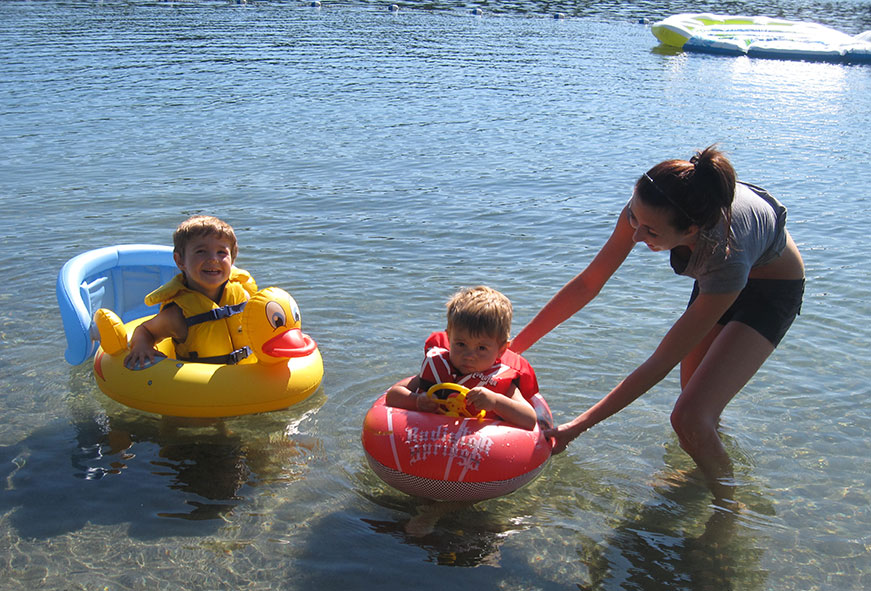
column 562, row 436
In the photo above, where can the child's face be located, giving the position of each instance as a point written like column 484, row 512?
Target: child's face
column 473, row 353
column 206, row 263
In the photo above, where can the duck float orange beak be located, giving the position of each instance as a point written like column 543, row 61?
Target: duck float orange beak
column 271, row 323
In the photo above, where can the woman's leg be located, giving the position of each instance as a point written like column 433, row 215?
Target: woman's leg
column 714, row 375
column 692, row 361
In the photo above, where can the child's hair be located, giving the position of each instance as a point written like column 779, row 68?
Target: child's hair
column 203, row 225
column 481, row 310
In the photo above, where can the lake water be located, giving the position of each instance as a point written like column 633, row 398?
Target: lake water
column 372, row 163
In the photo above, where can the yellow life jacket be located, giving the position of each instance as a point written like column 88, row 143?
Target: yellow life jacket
column 214, row 329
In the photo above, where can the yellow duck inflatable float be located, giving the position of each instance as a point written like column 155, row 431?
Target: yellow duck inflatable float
column 285, row 367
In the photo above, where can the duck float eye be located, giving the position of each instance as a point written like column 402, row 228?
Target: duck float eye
column 275, row 314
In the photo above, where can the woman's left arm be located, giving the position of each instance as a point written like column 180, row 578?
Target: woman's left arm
column 696, row 322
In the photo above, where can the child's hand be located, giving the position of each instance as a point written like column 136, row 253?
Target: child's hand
column 406, row 394
column 169, row 322
column 140, row 357
column 511, row 407
column 425, row 404
column 482, row 398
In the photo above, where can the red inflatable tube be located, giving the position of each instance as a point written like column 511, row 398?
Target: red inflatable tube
column 450, row 459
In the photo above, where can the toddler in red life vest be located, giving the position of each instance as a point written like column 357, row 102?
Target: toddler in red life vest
column 201, row 306
column 473, row 352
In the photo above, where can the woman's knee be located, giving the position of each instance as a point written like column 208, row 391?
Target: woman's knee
column 693, row 427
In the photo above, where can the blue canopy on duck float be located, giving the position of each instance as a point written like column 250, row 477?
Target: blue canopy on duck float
column 759, row 36
column 101, row 295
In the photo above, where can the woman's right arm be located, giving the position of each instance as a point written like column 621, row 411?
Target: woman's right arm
column 579, row 291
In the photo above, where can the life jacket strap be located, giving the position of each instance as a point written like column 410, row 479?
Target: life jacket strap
column 216, row 314
column 229, row 359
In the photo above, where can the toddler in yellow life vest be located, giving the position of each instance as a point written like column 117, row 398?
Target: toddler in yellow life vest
column 200, row 307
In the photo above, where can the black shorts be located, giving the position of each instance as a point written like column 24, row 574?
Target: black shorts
column 766, row 305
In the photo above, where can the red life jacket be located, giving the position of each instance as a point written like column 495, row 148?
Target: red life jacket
column 508, row 369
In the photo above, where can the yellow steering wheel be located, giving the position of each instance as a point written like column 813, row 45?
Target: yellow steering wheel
column 455, row 404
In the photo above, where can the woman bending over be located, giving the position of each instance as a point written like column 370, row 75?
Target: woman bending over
column 730, row 237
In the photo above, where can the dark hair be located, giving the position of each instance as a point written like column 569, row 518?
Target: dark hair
column 203, row 225
column 696, row 191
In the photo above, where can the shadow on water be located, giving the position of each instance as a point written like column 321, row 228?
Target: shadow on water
column 420, row 538
column 161, row 475
column 681, row 540
column 451, row 534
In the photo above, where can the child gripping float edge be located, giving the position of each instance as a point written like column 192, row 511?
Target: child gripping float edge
column 218, row 347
